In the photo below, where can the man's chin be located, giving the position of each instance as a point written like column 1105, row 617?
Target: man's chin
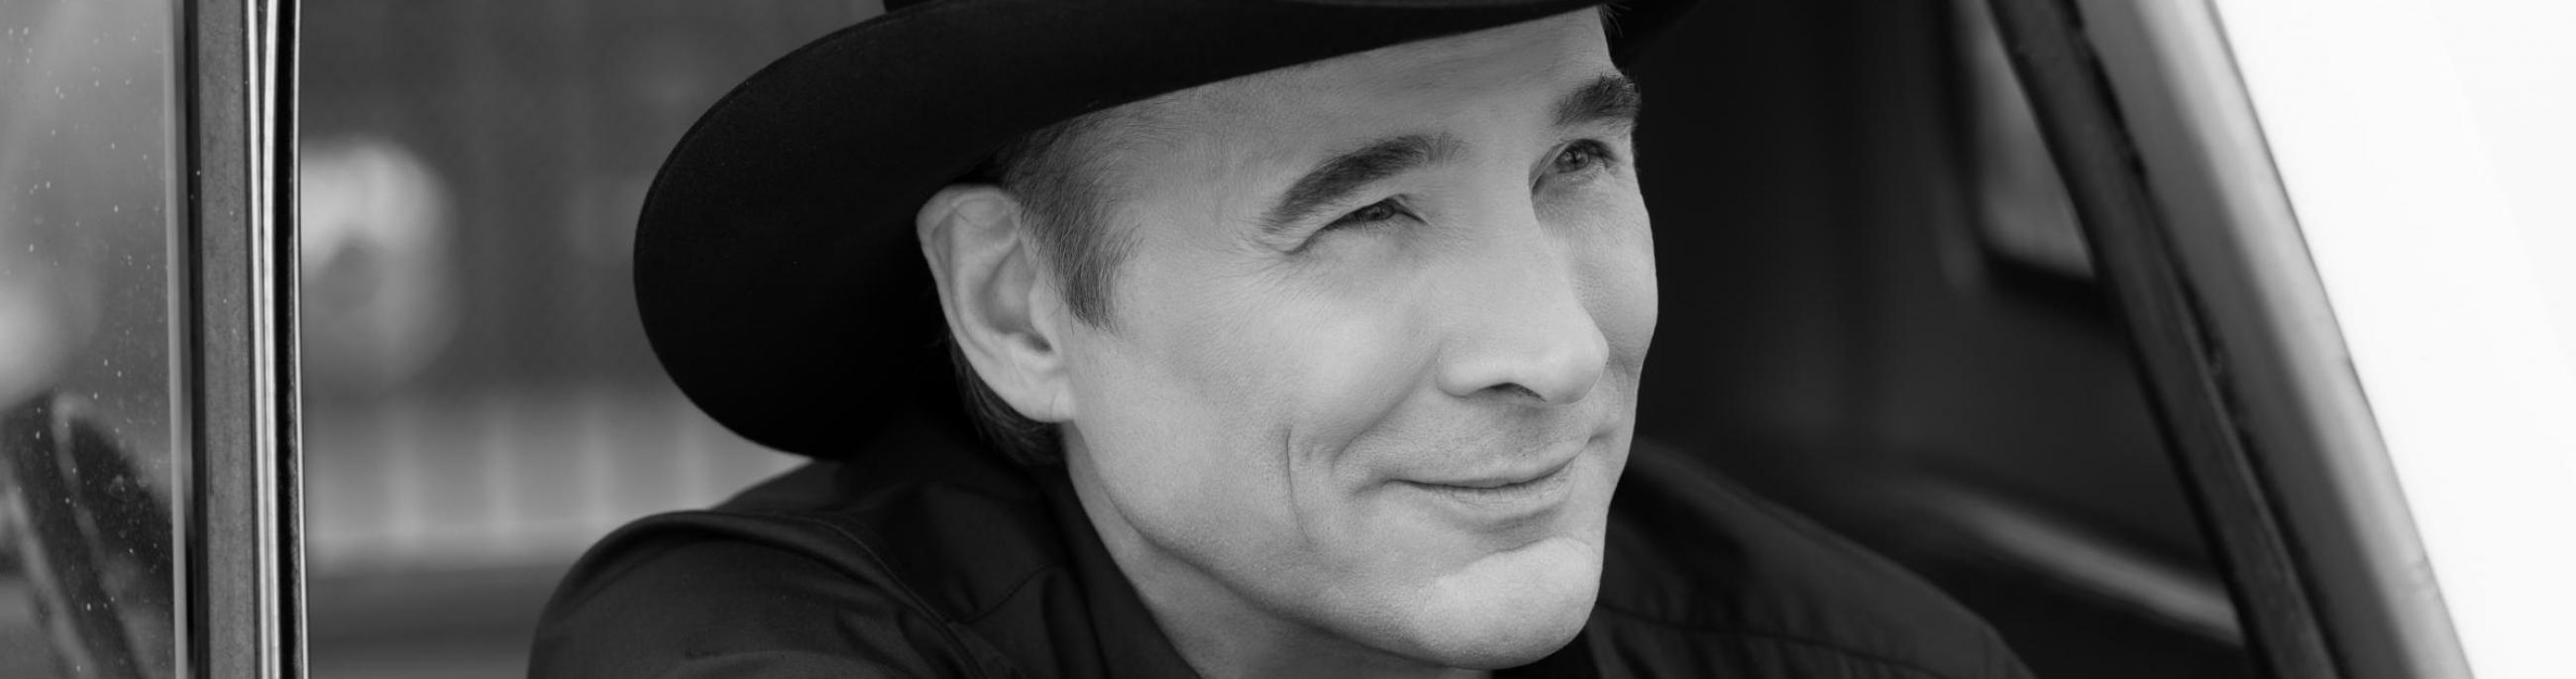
column 1508, row 609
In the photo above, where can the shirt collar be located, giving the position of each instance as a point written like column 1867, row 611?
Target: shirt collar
column 1128, row 636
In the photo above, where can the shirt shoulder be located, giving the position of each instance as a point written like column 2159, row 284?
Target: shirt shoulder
column 742, row 594
column 918, row 556
column 1704, row 578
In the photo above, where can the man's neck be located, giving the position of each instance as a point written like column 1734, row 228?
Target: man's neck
column 1213, row 627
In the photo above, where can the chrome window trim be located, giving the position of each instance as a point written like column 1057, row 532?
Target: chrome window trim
column 2254, row 387
column 244, row 539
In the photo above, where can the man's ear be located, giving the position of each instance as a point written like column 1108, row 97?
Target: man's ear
column 1002, row 313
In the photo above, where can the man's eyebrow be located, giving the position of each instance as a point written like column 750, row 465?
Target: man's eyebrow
column 1353, row 170
column 1611, row 98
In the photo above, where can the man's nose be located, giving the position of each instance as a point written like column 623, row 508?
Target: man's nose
column 1520, row 331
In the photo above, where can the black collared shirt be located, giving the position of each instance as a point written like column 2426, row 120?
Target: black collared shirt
column 927, row 557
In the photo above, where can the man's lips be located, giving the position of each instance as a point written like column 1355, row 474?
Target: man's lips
column 1502, row 479
column 1492, row 501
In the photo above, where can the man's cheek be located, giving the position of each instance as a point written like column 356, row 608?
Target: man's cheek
column 1630, row 316
column 1350, row 368
column 1620, row 290
column 1191, row 473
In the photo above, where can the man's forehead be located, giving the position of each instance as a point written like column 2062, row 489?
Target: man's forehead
column 1569, row 44
column 1247, row 138
column 1290, row 110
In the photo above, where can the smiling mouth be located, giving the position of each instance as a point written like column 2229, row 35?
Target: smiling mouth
column 1503, row 490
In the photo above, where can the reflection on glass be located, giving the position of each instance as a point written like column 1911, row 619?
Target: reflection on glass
column 87, row 435
column 2027, row 218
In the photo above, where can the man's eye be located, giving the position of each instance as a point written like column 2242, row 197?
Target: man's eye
column 1378, row 212
column 1581, row 156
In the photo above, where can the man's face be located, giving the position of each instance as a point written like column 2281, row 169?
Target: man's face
column 1373, row 358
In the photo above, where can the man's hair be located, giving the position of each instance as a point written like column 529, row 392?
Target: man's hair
column 1055, row 176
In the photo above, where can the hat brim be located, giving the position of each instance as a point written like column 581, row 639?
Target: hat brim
column 776, row 270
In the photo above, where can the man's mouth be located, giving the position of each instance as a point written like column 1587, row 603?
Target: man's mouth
column 1531, row 488
column 1505, row 480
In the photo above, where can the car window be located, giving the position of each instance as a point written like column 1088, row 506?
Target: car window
column 91, row 445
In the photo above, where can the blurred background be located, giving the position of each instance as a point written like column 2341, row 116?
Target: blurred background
column 1877, row 310
column 481, row 404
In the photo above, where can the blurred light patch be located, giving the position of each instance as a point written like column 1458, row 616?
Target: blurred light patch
column 377, row 303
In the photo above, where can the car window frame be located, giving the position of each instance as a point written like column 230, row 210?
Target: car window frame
column 2150, row 123
column 242, row 522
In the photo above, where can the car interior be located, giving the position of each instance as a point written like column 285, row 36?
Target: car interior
column 1878, row 311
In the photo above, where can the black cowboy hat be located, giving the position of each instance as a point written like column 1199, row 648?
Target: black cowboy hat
column 775, row 263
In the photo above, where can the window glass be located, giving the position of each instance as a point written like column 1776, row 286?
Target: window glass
column 2426, row 149
column 481, row 402
column 88, row 424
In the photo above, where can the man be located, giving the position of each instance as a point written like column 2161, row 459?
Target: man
column 1304, row 338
